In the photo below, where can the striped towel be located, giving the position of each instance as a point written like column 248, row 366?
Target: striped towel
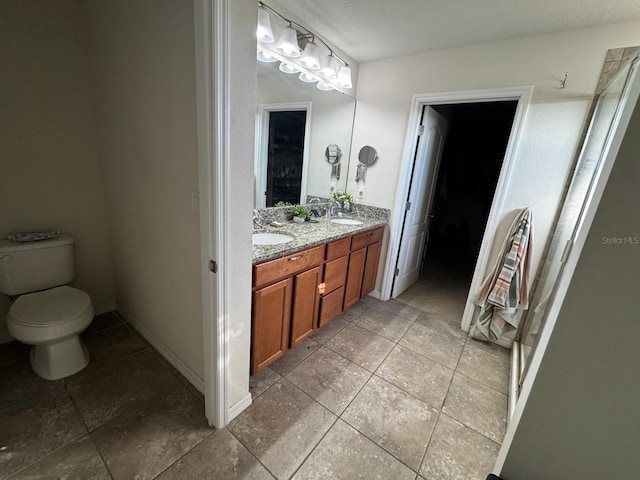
column 505, row 292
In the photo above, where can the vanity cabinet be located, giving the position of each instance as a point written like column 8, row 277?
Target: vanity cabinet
column 296, row 294
column 363, row 266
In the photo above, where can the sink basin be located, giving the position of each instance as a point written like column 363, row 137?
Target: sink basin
column 269, row 238
column 346, row 221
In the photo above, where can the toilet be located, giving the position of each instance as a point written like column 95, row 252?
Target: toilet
column 47, row 313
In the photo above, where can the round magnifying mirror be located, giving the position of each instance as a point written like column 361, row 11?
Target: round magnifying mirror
column 368, row 155
column 333, row 154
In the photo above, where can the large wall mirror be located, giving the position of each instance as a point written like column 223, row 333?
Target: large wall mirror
column 295, row 123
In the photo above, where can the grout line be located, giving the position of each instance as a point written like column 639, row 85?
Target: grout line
column 250, row 452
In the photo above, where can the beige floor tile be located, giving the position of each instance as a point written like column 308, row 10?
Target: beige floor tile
column 112, row 390
column 383, row 323
column 111, row 345
column 395, row 420
column 401, row 309
column 294, row 356
column 492, row 348
column 219, row 456
column 444, row 349
column 150, row 437
column 441, row 325
column 262, row 380
column 328, row 331
column 485, row 367
column 78, row 460
column 361, row 346
column 329, row 378
column 346, row 454
column 477, row 406
column 417, row 375
column 282, row 427
column 457, row 452
column 20, row 385
column 33, row 430
column 358, row 309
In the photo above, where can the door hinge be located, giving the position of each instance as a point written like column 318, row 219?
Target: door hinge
column 407, row 207
column 397, row 272
column 421, row 130
column 213, row 266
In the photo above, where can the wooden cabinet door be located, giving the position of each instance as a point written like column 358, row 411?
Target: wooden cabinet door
column 354, row 277
column 270, row 329
column 370, row 269
column 305, row 304
column 331, row 306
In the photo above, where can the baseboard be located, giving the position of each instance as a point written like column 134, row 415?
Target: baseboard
column 376, row 294
column 239, row 407
column 106, row 307
column 171, row 357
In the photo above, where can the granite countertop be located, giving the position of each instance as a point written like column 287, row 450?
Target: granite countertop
column 310, row 234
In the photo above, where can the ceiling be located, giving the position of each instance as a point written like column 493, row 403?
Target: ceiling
column 374, row 29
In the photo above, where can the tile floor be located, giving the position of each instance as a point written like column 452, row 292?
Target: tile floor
column 389, row 390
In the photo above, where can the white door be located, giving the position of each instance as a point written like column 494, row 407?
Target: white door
column 422, row 188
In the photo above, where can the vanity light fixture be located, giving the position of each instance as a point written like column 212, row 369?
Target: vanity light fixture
column 264, row 33
column 288, row 43
column 327, row 68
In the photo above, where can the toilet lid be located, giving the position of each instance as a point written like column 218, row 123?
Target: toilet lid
column 49, row 307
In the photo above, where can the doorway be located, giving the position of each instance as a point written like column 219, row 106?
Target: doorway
column 282, row 154
column 516, row 102
column 466, row 180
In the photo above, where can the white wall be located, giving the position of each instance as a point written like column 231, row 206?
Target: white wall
column 143, row 66
column 582, row 418
column 553, row 125
column 48, row 162
column 242, row 77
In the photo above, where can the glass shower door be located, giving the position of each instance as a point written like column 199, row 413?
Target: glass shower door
column 589, row 166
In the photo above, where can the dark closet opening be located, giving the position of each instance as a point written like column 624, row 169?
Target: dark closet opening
column 285, row 156
column 467, row 178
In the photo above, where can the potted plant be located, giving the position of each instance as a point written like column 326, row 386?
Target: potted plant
column 300, row 213
column 344, row 199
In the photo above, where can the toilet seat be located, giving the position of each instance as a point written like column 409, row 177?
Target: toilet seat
column 48, row 308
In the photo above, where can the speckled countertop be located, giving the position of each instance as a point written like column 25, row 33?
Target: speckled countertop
column 310, row 234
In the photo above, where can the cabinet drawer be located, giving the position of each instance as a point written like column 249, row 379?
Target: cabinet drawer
column 335, row 273
column 367, row 238
column 331, row 306
column 273, row 270
column 338, row 248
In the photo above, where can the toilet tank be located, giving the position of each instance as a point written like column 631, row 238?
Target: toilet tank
column 32, row 266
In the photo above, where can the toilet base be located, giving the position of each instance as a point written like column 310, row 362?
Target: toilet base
column 53, row 361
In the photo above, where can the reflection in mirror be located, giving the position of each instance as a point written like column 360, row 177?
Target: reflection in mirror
column 368, row 156
column 329, row 120
column 333, row 154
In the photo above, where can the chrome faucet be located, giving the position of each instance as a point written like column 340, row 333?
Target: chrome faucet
column 314, row 207
column 334, row 209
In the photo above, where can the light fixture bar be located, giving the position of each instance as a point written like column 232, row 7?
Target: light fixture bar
column 305, row 30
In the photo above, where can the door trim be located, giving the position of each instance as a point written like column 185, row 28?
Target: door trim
column 262, row 145
column 520, row 94
column 212, row 94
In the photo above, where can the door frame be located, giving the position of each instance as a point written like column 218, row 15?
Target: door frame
column 520, row 94
column 213, row 114
column 262, row 147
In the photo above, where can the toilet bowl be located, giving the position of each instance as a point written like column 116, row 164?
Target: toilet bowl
column 51, row 321
column 46, row 313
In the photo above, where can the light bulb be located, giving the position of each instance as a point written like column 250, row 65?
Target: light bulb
column 288, row 43
column 264, row 32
